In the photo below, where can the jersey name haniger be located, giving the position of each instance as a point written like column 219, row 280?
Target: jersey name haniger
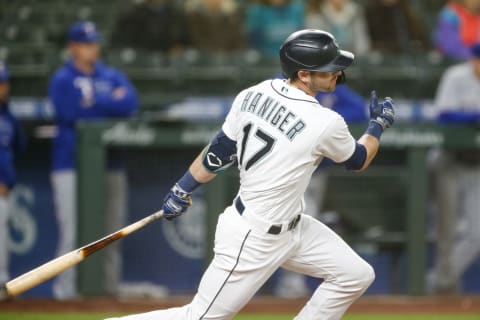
column 274, row 113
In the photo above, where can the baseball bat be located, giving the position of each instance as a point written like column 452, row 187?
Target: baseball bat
column 56, row 266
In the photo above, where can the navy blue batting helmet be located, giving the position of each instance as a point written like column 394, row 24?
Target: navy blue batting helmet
column 313, row 50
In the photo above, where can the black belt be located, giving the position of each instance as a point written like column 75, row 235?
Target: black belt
column 275, row 228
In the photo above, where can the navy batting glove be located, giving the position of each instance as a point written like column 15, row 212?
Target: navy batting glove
column 382, row 113
column 176, row 202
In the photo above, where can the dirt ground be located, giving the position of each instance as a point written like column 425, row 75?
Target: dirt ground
column 380, row 304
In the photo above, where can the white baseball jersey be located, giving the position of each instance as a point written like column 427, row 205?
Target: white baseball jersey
column 282, row 134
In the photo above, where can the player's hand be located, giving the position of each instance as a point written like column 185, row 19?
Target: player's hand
column 176, row 202
column 383, row 112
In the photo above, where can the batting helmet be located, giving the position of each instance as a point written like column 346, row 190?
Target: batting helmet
column 313, row 50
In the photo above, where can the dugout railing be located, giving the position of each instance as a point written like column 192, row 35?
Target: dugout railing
column 412, row 141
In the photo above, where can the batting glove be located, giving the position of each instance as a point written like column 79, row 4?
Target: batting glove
column 176, row 202
column 382, row 113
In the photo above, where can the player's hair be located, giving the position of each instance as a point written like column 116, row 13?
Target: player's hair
column 294, row 75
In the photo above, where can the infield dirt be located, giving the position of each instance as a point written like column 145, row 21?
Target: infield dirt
column 370, row 304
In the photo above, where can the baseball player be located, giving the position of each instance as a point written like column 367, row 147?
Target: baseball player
column 279, row 133
column 11, row 140
column 457, row 179
column 84, row 89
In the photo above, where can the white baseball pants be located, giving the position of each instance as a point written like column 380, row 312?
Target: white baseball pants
column 64, row 185
column 458, row 236
column 245, row 257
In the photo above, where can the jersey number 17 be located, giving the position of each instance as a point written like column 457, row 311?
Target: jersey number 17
column 264, row 137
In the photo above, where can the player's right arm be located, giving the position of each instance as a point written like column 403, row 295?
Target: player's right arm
column 216, row 157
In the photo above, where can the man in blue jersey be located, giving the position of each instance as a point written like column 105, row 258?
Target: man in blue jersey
column 11, row 140
column 84, row 89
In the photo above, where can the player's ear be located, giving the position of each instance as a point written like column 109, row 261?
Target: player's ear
column 303, row 75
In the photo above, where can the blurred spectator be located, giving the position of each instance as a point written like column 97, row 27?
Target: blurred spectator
column 394, row 26
column 11, row 140
column 214, row 25
column 269, row 22
column 85, row 89
column 458, row 28
column 345, row 19
column 457, row 177
column 151, row 25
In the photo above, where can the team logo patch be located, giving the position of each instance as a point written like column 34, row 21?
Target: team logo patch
column 213, row 160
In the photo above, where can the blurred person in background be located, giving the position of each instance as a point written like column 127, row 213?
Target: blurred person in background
column 152, row 25
column 11, row 141
column 344, row 19
column 86, row 89
column 395, row 27
column 457, row 178
column 215, row 25
column 458, row 28
column 269, row 22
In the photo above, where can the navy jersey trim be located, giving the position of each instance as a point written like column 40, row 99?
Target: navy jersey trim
column 274, row 89
column 228, row 277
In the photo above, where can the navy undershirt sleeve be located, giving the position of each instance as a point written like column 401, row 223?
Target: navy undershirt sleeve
column 357, row 160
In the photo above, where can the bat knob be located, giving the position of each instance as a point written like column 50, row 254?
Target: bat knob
column 3, row 293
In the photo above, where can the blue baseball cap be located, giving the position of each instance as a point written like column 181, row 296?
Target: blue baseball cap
column 4, row 74
column 83, row 31
column 475, row 49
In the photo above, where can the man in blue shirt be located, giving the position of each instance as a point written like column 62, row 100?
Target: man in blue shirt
column 11, row 140
column 83, row 89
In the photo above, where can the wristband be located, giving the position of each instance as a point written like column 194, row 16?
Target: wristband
column 374, row 129
column 188, row 182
